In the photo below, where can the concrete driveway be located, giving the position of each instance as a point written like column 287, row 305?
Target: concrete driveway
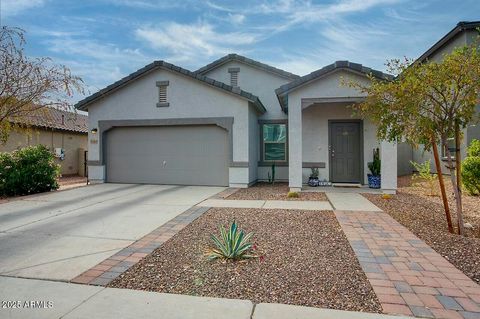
column 62, row 234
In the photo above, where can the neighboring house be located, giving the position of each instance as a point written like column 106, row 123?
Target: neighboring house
column 464, row 33
column 61, row 131
column 228, row 122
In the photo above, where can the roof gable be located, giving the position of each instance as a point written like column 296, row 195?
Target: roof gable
column 460, row 27
column 239, row 58
column 83, row 104
column 323, row 72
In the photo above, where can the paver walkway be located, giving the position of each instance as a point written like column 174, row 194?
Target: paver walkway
column 408, row 276
column 267, row 204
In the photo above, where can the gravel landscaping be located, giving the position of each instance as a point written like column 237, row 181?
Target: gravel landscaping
column 69, row 181
column 278, row 191
column 425, row 217
column 306, row 260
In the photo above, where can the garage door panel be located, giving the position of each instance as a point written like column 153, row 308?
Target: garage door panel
column 184, row 155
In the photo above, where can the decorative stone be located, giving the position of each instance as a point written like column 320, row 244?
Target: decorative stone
column 468, row 226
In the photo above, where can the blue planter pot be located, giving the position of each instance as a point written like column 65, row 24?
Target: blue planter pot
column 374, row 181
column 313, row 182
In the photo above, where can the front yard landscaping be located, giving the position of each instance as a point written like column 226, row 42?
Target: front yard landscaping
column 304, row 259
column 425, row 217
column 277, row 191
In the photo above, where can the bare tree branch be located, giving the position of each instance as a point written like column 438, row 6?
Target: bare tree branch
column 28, row 85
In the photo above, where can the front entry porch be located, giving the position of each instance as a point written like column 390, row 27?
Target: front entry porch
column 341, row 152
column 336, row 142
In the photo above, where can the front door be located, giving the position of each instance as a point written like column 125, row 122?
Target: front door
column 345, row 151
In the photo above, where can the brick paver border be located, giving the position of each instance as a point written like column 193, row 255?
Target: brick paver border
column 112, row 267
column 408, row 277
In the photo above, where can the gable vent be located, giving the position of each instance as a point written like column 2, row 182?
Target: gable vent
column 162, row 93
column 234, row 79
column 234, row 76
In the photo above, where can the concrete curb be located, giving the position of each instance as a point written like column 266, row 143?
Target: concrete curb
column 281, row 311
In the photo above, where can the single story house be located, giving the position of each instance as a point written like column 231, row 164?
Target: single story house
column 228, row 122
column 464, row 33
column 63, row 132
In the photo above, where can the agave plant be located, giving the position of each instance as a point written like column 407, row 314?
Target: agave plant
column 232, row 244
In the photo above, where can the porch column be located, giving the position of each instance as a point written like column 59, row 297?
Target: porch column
column 388, row 156
column 295, row 148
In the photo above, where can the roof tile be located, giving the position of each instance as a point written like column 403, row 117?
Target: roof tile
column 51, row 118
column 83, row 104
column 240, row 58
column 284, row 89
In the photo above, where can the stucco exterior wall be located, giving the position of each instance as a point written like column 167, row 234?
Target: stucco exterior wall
column 315, row 137
column 253, row 132
column 311, row 126
column 420, row 155
column 71, row 143
column 404, row 156
column 262, row 84
column 473, row 132
column 256, row 81
column 460, row 40
column 187, row 98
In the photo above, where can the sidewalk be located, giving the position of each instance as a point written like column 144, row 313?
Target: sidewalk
column 71, row 301
column 336, row 201
column 267, row 204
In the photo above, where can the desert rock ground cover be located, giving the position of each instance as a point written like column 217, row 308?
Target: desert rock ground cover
column 424, row 216
column 305, row 260
column 277, row 191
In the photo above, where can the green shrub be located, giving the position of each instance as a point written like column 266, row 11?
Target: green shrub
column 232, row 244
column 424, row 174
column 471, row 174
column 293, row 195
column 28, row 171
column 375, row 166
column 474, row 148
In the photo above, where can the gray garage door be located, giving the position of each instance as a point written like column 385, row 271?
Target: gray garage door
column 183, row 155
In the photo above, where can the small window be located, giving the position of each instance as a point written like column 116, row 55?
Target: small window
column 162, row 93
column 274, row 142
column 234, row 76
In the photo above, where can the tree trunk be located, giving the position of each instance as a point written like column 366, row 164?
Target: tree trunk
column 455, row 188
column 442, row 186
column 458, row 161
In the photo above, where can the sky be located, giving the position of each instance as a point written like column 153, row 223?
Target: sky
column 104, row 40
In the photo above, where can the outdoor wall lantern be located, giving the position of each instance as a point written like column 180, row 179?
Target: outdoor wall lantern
column 94, row 130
